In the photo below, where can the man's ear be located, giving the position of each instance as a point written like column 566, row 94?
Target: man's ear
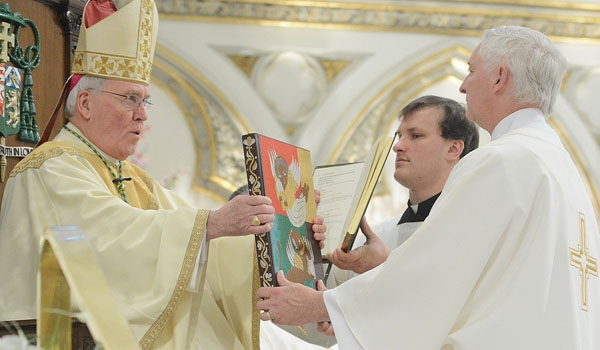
column 83, row 104
column 456, row 149
column 502, row 75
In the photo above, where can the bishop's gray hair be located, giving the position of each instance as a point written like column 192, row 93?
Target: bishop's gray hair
column 87, row 82
column 535, row 64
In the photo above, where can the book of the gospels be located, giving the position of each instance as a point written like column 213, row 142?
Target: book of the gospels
column 283, row 172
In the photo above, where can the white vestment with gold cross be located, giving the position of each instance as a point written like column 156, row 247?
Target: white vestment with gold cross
column 507, row 259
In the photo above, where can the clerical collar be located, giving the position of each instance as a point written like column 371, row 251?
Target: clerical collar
column 530, row 119
column 117, row 180
column 516, row 120
column 423, row 210
column 108, row 158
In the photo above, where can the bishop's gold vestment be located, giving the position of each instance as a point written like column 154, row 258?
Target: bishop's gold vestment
column 147, row 248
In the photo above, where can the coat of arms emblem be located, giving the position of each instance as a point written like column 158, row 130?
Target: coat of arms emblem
column 17, row 107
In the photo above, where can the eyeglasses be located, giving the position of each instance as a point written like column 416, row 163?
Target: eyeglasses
column 132, row 102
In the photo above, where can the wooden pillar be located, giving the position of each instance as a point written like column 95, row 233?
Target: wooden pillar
column 58, row 24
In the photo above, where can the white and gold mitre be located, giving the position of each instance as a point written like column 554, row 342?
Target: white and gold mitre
column 120, row 46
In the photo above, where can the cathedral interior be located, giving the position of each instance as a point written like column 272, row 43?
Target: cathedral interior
column 331, row 77
column 328, row 76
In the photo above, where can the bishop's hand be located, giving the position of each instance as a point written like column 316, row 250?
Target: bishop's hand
column 242, row 215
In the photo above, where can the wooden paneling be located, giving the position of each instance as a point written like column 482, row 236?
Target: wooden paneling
column 56, row 21
column 54, row 67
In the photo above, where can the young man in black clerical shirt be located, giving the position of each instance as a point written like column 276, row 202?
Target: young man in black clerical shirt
column 433, row 136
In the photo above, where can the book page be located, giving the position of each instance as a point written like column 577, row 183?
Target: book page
column 338, row 186
column 375, row 160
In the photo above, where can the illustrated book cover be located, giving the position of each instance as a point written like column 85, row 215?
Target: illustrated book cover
column 283, row 172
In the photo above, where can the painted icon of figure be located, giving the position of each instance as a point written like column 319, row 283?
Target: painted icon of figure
column 291, row 192
column 298, row 248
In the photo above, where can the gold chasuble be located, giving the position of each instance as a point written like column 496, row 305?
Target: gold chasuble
column 150, row 249
column 147, row 241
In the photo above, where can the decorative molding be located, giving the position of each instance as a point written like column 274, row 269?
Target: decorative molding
column 70, row 13
column 579, row 87
column 215, row 125
column 559, row 20
column 333, row 67
column 53, row 3
column 380, row 114
column 72, row 21
column 325, row 69
column 292, row 104
column 244, row 62
column 578, row 155
column 73, row 5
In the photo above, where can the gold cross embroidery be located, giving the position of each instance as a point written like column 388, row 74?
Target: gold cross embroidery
column 6, row 38
column 581, row 259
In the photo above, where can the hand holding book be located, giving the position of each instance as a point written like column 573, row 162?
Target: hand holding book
column 283, row 172
column 369, row 255
column 346, row 190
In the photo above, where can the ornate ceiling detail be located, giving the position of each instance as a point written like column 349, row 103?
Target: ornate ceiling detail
column 558, row 20
column 215, row 126
column 292, row 84
column 333, row 67
column 381, row 113
column 244, row 62
column 580, row 86
column 270, row 72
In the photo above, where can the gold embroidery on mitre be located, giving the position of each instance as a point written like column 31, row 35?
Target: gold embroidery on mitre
column 116, row 61
column 583, row 261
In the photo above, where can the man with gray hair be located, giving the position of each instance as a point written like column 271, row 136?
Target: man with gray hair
column 508, row 257
column 151, row 245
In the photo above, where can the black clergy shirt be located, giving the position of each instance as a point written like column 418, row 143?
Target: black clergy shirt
column 423, row 210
